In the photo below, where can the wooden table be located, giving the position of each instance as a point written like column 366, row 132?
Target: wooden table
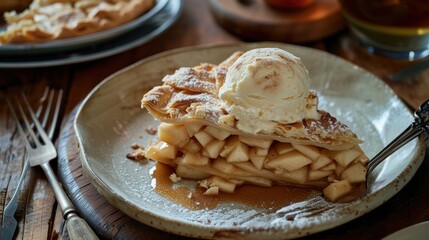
column 38, row 214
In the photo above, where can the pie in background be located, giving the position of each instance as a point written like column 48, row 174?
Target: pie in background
column 9, row 5
column 252, row 119
column 47, row 20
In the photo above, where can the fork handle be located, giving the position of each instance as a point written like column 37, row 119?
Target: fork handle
column 76, row 226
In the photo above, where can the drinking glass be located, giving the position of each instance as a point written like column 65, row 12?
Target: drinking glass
column 392, row 28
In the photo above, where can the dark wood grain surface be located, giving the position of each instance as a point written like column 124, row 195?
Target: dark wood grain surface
column 38, row 215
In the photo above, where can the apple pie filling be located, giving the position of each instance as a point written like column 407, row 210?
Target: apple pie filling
column 222, row 161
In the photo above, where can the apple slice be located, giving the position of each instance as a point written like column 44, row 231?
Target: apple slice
column 166, row 155
column 205, row 153
column 322, row 161
column 166, row 150
column 258, row 181
column 230, row 144
column 223, row 166
column 289, row 161
column 256, row 142
column 217, row 133
column 345, row 157
column 261, row 151
column 192, row 128
column 355, row 173
column 174, row 134
column 194, row 159
column 257, row 160
column 214, row 147
column 222, row 184
column 362, row 159
column 236, row 181
column 299, row 176
column 203, row 138
column 212, row 191
column 336, row 190
column 189, row 172
column 310, row 151
column 253, row 171
column 239, row 154
column 193, row 146
column 317, row 174
column 330, row 167
column 282, row 148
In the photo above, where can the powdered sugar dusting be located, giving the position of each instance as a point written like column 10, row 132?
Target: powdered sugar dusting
column 192, row 80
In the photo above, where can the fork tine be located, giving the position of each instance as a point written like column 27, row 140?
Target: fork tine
column 15, row 116
column 48, row 108
column 48, row 96
column 54, row 119
column 42, row 100
column 36, row 123
column 24, row 118
column 56, row 113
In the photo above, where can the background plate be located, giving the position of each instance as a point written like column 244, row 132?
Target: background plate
column 140, row 35
column 81, row 41
column 110, row 120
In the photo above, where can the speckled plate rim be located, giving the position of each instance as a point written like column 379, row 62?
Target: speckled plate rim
column 343, row 212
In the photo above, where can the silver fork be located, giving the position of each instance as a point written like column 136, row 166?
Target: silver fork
column 419, row 126
column 40, row 150
column 9, row 222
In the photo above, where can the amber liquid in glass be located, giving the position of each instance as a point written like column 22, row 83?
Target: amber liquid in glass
column 394, row 13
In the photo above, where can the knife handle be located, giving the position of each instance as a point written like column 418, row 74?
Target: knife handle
column 78, row 229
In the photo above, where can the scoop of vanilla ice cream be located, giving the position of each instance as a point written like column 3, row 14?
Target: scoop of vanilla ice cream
column 265, row 87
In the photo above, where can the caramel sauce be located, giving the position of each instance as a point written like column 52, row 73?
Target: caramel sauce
column 269, row 198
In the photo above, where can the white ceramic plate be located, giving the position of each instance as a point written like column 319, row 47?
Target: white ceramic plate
column 81, row 41
column 110, row 121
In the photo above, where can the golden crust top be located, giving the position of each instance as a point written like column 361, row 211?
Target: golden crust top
column 58, row 19
column 191, row 95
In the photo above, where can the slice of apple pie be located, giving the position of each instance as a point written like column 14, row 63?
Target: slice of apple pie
column 48, row 20
column 252, row 120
